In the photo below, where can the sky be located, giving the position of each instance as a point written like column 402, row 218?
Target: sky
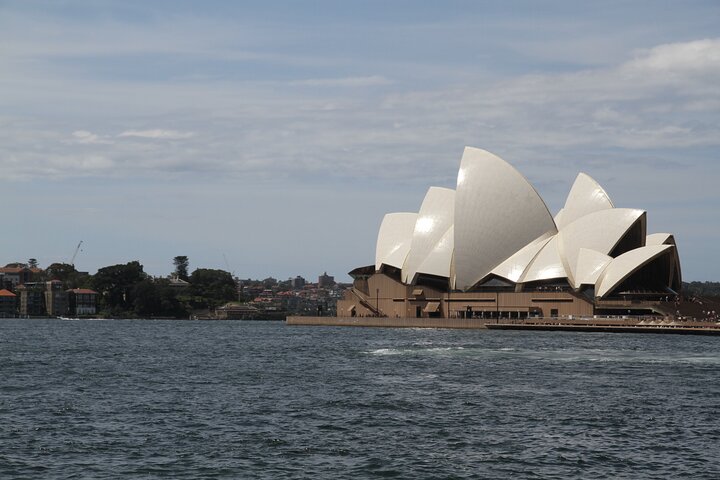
column 269, row 138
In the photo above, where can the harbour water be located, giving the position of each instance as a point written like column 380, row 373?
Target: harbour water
column 194, row 399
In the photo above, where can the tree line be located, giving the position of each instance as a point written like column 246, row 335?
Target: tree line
column 125, row 290
column 702, row 289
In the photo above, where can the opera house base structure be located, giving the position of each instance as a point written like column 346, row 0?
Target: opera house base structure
column 490, row 251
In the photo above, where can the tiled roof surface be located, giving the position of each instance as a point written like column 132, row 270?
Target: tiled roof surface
column 81, row 291
column 12, row 269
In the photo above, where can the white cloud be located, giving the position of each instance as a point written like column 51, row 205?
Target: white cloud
column 261, row 130
column 666, row 97
column 700, row 56
column 350, row 82
column 85, row 137
column 157, row 134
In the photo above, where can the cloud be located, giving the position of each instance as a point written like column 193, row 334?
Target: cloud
column 545, row 123
column 385, row 103
column 58, row 165
column 349, row 82
column 157, row 134
column 665, row 97
column 688, row 58
column 83, row 137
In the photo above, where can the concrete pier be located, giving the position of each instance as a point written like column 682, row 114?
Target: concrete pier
column 616, row 325
column 389, row 322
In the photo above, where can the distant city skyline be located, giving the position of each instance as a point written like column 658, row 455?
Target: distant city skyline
column 243, row 134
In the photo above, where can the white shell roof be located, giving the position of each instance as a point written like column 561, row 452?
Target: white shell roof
column 496, row 223
column 497, row 213
column 627, row 264
column 586, row 196
column 513, row 268
column 439, row 259
column 660, row 239
column 546, row 265
column 590, row 265
column 433, row 221
column 600, row 231
column 394, row 238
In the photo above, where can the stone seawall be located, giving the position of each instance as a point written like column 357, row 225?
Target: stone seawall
column 391, row 322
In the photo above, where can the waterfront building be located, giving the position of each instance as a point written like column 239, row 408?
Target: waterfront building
column 8, row 303
column 236, row 311
column 43, row 299
column 56, row 298
column 32, row 299
column 491, row 249
column 82, row 301
column 15, row 276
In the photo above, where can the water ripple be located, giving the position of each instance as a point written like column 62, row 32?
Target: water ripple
column 163, row 399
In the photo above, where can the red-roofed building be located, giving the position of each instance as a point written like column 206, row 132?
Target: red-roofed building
column 15, row 275
column 8, row 303
column 83, row 301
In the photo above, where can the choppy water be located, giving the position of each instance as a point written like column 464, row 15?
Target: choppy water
column 166, row 399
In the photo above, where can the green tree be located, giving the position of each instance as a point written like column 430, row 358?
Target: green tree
column 182, row 264
column 67, row 274
column 710, row 289
column 156, row 298
column 116, row 283
column 60, row 271
column 145, row 298
column 32, row 263
column 211, row 288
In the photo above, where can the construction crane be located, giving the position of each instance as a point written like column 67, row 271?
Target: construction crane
column 227, row 264
column 77, row 249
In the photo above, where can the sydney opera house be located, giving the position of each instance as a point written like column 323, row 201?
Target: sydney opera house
column 491, row 249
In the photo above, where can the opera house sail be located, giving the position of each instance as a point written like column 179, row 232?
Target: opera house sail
column 492, row 249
